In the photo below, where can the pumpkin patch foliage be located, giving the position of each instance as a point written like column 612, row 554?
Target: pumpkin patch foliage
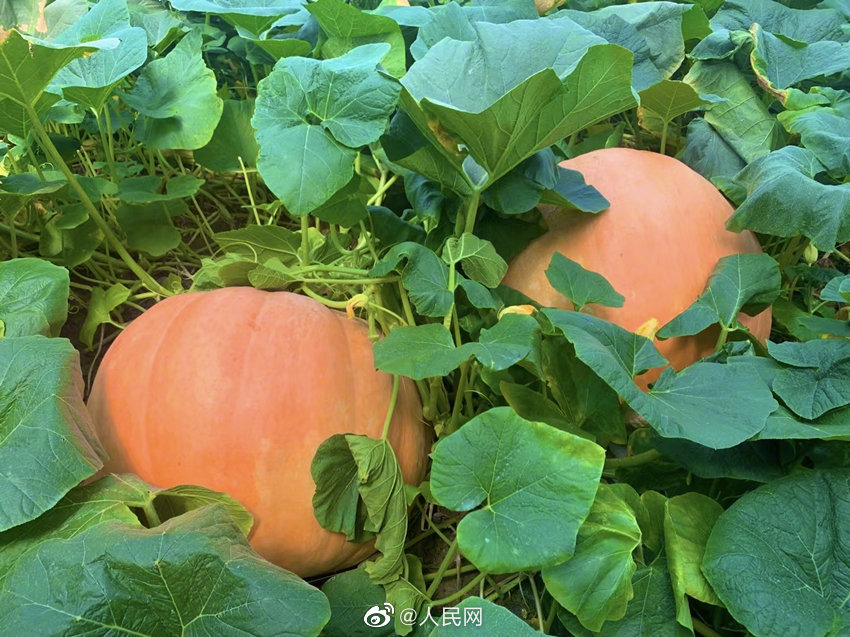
column 424, row 317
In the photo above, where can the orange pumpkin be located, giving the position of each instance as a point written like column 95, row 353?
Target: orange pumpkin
column 657, row 245
column 234, row 390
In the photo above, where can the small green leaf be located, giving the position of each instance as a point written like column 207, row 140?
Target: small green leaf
column 837, row 290
column 419, row 351
column 506, row 343
column 351, row 594
column 146, row 189
column 102, row 302
column 474, row 614
column 149, row 227
column 571, row 192
column 535, row 461
column 193, row 573
column 176, row 98
column 478, row 257
column 595, row 584
column 785, row 542
column 33, row 297
column 424, row 276
column 661, row 103
column 813, row 379
column 579, row 285
column 261, row 243
column 748, row 282
column 47, row 445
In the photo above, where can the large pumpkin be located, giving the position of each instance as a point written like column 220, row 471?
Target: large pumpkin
column 657, row 245
column 234, row 390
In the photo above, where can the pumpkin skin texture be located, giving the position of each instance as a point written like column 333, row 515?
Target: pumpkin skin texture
column 234, row 390
column 657, row 245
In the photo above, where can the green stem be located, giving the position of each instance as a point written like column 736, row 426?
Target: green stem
column 463, row 570
column 304, row 252
column 721, row 340
column 550, row 618
column 250, row 191
column 664, row 138
column 391, row 408
column 538, row 607
column 338, row 305
column 94, row 213
column 151, row 515
column 471, row 211
column 704, row 630
column 441, row 571
column 633, row 461
column 461, row 592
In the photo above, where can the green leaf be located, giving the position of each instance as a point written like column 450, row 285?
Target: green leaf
column 688, row 520
column 233, row 139
column 347, row 206
column 419, row 351
column 47, row 445
column 535, row 461
column 785, row 200
column 407, row 592
column 478, row 257
column 517, row 100
column 758, row 461
column 663, row 102
column 360, row 492
column 824, row 129
column 778, row 556
column 194, row 574
column 90, row 80
column 351, row 594
column 837, row 290
column 159, row 23
column 310, row 118
column 748, row 282
column 346, row 28
column 779, row 64
column 813, row 379
column 33, row 297
column 149, row 227
column 810, row 25
column 475, row 613
column 586, row 400
column 651, row 30
column 708, row 153
column 101, row 303
column 579, row 285
column 508, row 342
column 595, row 584
column 682, row 405
column 146, row 189
column 742, row 120
column 112, row 497
column 255, row 16
column 261, row 243
column 176, row 99
column 783, row 424
column 22, row 14
column 26, row 67
column 570, row 191
column 424, row 276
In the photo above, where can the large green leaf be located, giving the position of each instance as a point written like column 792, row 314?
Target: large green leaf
column 346, row 27
column 651, row 30
column 26, row 67
column 784, row 199
column 778, row 557
column 232, row 140
column 176, row 99
column 47, row 445
column 111, row 498
column 90, row 80
column 33, row 297
column 351, row 595
column 546, row 480
column 741, row 119
column 595, row 584
column 360, row 492
column 526, row 85
column 824, row 129
column 682, row 405
column 810, row 25
column 748, row 282
column 311, row 117
column 255, row 16
column 474, row 614
column 193, row 575
column 688, row 520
